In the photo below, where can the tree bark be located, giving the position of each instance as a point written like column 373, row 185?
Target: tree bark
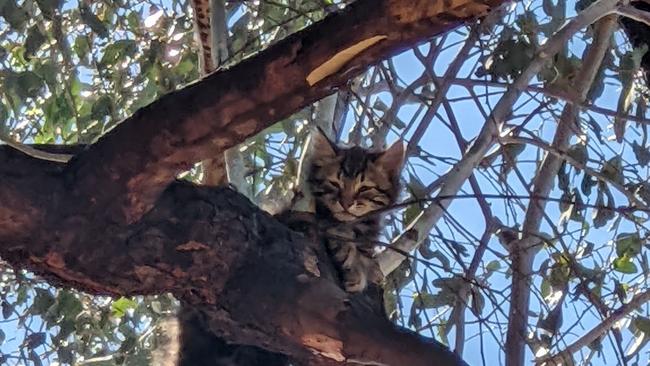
column 145, row 152
column 257, row 282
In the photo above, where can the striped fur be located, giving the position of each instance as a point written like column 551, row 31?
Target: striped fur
column 348, row 185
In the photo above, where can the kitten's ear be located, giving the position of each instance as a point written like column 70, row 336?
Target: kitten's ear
column 392, row 159
column 322, row 145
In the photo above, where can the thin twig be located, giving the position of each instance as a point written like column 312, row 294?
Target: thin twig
column 598, row 330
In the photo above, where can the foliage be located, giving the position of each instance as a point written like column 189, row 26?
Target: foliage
column 71, row 71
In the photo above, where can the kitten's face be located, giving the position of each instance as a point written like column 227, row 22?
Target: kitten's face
column 352, row 182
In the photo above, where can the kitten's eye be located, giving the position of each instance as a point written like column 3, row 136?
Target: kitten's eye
column 365, row 189
column 334, row 183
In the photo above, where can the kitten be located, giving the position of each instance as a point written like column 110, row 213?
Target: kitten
column 348, row 185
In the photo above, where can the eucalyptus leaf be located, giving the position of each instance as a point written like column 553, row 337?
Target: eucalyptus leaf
column 579, row 153
column 628, row 244
column 120, row 306
column 613, row 170
column 624, row 265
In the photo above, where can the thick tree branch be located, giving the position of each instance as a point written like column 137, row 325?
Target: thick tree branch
column 257, row 282
column 144, row 153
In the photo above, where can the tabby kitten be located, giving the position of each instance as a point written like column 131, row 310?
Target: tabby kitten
column 349, row 185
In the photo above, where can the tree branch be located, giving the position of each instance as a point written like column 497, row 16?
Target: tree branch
column 145, row 152
column 522, row 251
column 258, row 282
column 602, row 328
column 417, row 232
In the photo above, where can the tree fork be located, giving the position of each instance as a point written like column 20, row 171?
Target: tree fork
column 257, row 282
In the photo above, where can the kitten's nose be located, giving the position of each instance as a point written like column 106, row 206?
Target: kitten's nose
column 346, row 202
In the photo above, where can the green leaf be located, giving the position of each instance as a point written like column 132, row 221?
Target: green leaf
column 133, row 20
column 628, row 244
column 68, row 305
column 416, row 188
column 587, row 183
column 545, row 288
column 34, row 41
column 118, row 50
column 21, row 295
column 620, row 290
column 578, row 206
column 48, row 72
column 7, row 310
column 630, row 64
column 604, row 210
column 42, row 301
column 390, row 304
column 425, row 249
column 411, row 213
column 493, row 266
column 81, row 46
column 478, row 302
column 641, row 153
column 120, row 306
column 454, row 284
column 624, row 265
column 613, row 169
column 185, row 67
column 511, row 151
column 431, row 301
column 444, row 261
column 642, row 323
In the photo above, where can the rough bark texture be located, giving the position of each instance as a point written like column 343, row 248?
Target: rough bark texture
column 113, row 220
column 257, row 282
